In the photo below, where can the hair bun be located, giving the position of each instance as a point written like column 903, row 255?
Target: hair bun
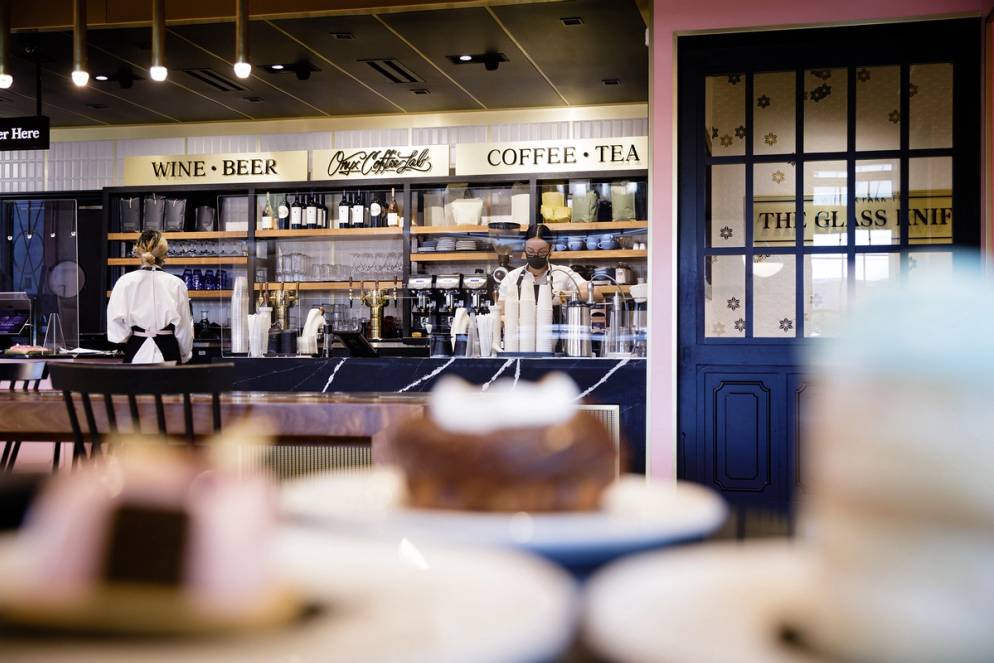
column 147, row 258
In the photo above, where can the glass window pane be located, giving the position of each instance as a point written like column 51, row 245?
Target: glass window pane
column 724, row 296
column 931, row 105
column 875, row 271
column 825, row 203
column 825, row 294
column 774, row 204
column 724, row 109
column 726, row 216
column 924, row 265
column 878, row 198
column 930, row 202
column 773, row 117
column 773, row 288
column 825, row 110
column 878, row 108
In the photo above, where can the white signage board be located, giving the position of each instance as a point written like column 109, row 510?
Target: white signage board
column 380, row 162
column 552, row 156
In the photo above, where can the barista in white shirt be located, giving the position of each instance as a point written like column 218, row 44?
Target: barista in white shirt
column 149, row 310
column 538, row 271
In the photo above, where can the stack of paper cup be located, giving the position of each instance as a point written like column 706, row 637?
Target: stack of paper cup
column 545, row 340
column 239, row 313
column 526, row 318
column 511, row 308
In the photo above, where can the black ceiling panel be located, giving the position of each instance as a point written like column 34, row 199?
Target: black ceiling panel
column 609, row 44
column 370, row 40
column 441, row 33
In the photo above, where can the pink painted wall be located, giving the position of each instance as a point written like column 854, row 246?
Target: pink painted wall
column 675, row 17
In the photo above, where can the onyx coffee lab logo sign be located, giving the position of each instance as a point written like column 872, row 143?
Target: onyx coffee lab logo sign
column 552, row 156
column 216, row 168
column 380, row 162
column 24, row 133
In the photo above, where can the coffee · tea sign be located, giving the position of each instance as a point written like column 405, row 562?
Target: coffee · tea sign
column 240, row 168
column 381, row 162
column 552, row 156
column 24, row 133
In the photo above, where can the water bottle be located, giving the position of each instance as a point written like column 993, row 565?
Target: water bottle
column 209, row 283
column 188, row 278
column 196, row 280
column 222, row 279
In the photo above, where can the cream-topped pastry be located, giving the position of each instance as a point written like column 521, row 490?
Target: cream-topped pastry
column 518, row 446
column 902, row 506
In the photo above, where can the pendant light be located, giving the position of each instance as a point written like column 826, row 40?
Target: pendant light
column 6, row 80
column 80, row 76
column 243, row 69
column 158, row 70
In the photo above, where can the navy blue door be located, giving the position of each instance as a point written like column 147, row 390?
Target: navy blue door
column 814, row 167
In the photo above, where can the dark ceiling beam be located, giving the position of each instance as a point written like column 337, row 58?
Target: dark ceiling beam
column 57, row 14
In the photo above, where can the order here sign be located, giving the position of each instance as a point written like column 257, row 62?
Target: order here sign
column 24, row 133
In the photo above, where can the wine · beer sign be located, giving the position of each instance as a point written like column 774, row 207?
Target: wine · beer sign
column 244, row 168
column 24, row 133
column 552, row 156
column 380, row 162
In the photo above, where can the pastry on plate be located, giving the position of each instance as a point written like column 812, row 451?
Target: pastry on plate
column 517, row 446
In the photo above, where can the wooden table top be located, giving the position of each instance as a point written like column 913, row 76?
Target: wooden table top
column 43, row 416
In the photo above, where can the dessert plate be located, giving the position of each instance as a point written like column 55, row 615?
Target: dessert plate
column 707, row 604
column 378, row 602
column 636, row 515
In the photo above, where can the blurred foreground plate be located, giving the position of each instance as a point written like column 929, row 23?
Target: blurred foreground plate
column 708, row 604
column 636, row 515
column 378, row 602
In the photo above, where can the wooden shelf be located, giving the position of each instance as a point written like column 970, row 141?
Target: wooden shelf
column 599, row 255
column 204, row 260
column 454, row 256
column 203, row 294
column 214, row 234
column 330, row 233
column 455, row 230
column 476, row 256
column 597, row 225
column 327, row 285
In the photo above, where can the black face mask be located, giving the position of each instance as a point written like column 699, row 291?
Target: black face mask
column 538, row 262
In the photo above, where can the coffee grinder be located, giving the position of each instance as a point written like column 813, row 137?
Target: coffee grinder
column 449, row 288
column 478, row 287
column 421, row 287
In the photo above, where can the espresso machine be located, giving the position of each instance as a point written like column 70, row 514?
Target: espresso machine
column 449, row 289
column 477, row 286
column 421, row 287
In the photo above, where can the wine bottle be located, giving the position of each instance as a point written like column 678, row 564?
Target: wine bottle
column 393, row 211
column 203, row 326
column 284, row 214
column 267, row 215
column 376, row 219
column 344, row 210
column 311, row 213
column 322, row 212
column 358, row 211
column 296, row 213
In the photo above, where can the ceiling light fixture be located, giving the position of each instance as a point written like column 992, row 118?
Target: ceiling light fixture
column 6, row 80
column 102, row 77
column 158, row 70
column 242, row 67
column 490, row 60
column 276, row 67
column 80, row 76
column 302, row 68
column 466, row 58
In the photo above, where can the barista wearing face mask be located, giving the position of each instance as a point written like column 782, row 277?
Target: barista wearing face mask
column 538, row 270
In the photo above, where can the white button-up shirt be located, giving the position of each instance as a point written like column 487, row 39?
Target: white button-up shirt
column 150, row 299
column 564, row 279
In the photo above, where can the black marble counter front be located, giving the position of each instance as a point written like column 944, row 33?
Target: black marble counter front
column 603, row 381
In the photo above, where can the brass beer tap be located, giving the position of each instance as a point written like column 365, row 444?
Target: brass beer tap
column 376, row 299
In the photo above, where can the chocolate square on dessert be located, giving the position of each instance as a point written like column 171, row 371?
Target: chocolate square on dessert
column 146, row 545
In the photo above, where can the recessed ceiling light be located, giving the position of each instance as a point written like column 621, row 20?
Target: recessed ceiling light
column 343, row 35
column 571, row 21
column 420, row 90
column 253, row 100
column 97, row 106
column 611, row 81
column 101, row 77
column 465, row 58
column 276, row 67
